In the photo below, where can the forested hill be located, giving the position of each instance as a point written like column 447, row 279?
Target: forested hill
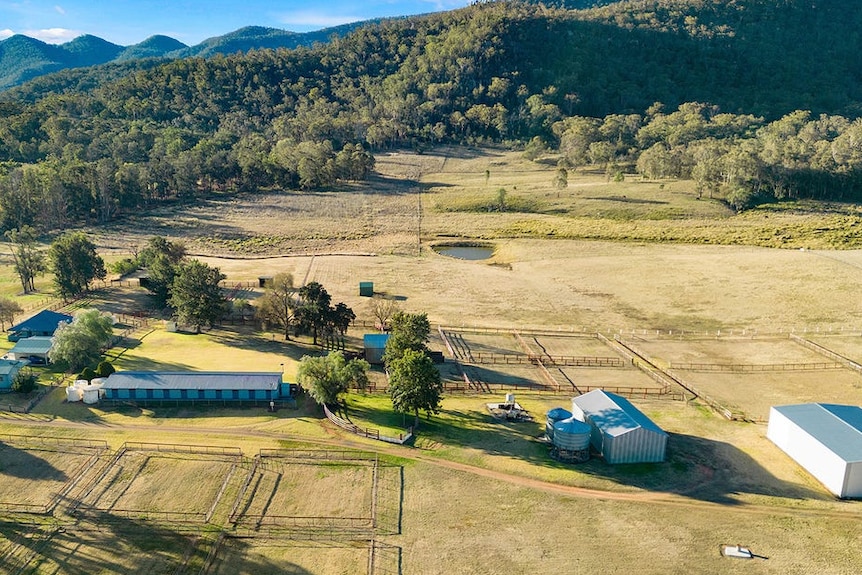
column 23, row 58
column 492, row 72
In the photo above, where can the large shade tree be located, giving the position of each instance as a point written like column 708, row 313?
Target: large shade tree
column 196, row 295
column 162, row 259
column 330, row 376
column 79, row 343
column 414, row 384
column 75, row 264
column 408, row 331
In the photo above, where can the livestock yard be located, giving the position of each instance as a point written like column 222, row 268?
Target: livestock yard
column 703, row 339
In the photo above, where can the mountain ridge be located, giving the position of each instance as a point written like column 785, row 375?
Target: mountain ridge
column 23, row 58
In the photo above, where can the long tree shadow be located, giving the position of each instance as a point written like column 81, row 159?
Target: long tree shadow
column 695, row 467
column 16, row 462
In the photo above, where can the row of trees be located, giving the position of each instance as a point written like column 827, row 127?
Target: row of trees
column 307, row 309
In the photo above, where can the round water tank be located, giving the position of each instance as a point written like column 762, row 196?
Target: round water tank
column 97, row 381
column 73, row 393
column 571, row 434
column 90, row 394
column 555, row 415
column 81, row 383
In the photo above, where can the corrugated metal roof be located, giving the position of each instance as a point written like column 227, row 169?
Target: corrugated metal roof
column 192, row 380
column 35, row 344
column 375, row 340
column 45, row 321
column 613, row 414
column 838, row 427
column 10, row 366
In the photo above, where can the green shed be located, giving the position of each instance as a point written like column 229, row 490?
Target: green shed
column 366, row 289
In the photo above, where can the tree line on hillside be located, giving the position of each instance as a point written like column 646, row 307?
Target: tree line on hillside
column 86, row 150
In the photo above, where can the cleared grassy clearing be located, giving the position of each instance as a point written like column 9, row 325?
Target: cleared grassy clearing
column 755, row 393
column 730, row 352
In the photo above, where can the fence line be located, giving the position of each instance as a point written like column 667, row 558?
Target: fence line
column 755, row 367
column 367, row 432
column 846, row 362
column 177, row 448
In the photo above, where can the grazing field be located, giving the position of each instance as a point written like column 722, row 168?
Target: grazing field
column 255, row 557
column 754, row 393
column 157, row 483
column 36, row 471
column 717, row 352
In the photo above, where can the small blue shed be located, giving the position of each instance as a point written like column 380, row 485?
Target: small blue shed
column 8, row 370
column 374, row 345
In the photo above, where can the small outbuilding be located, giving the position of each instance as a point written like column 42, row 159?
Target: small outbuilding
column 825, row 439
column 374, row 344
column 34, row 349
column 366, row 289
column 8, row 370
column 191, row 386
column 621, row 433
column 44, row 323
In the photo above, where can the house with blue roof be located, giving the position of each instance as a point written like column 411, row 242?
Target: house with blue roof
column 44, row 323
column 620, row 432
column 825, row 439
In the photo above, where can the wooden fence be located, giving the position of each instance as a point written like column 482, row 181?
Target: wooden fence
column 742, row 367
column 552, row 360
column 849, row 363
column 367, row 432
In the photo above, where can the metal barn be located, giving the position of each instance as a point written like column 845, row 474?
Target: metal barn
column 825, row 439
column 374, row 345
column 43, row 323
column 144, row 386
column 621, row 433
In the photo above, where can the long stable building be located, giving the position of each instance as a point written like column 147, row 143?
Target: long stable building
column 195, row 386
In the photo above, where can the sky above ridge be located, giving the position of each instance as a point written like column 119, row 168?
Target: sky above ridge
column 127, row 22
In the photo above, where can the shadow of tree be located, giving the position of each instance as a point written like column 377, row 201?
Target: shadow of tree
column 695, row 467
column 16, row 462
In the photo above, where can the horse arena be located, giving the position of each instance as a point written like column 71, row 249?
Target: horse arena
column 160, row 508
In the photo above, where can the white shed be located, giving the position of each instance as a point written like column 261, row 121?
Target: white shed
column 621, row 433
column 825, row 439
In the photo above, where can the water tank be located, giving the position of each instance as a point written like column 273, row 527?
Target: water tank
column 81, row 383
column 555, row 415
column 90, row 394
column 73, row 393
column 571, row 435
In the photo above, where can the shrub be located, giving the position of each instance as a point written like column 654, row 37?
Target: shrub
column 24, row 381
column 104, row 369
column 88, row 374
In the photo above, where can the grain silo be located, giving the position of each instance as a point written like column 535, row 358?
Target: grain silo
column 572, row 440
column 555, row 415
column 621, row 433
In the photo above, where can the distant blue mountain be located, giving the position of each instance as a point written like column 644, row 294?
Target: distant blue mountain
column 23, row 58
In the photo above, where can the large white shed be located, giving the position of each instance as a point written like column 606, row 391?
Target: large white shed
column 825, row 439
column 621, row 433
